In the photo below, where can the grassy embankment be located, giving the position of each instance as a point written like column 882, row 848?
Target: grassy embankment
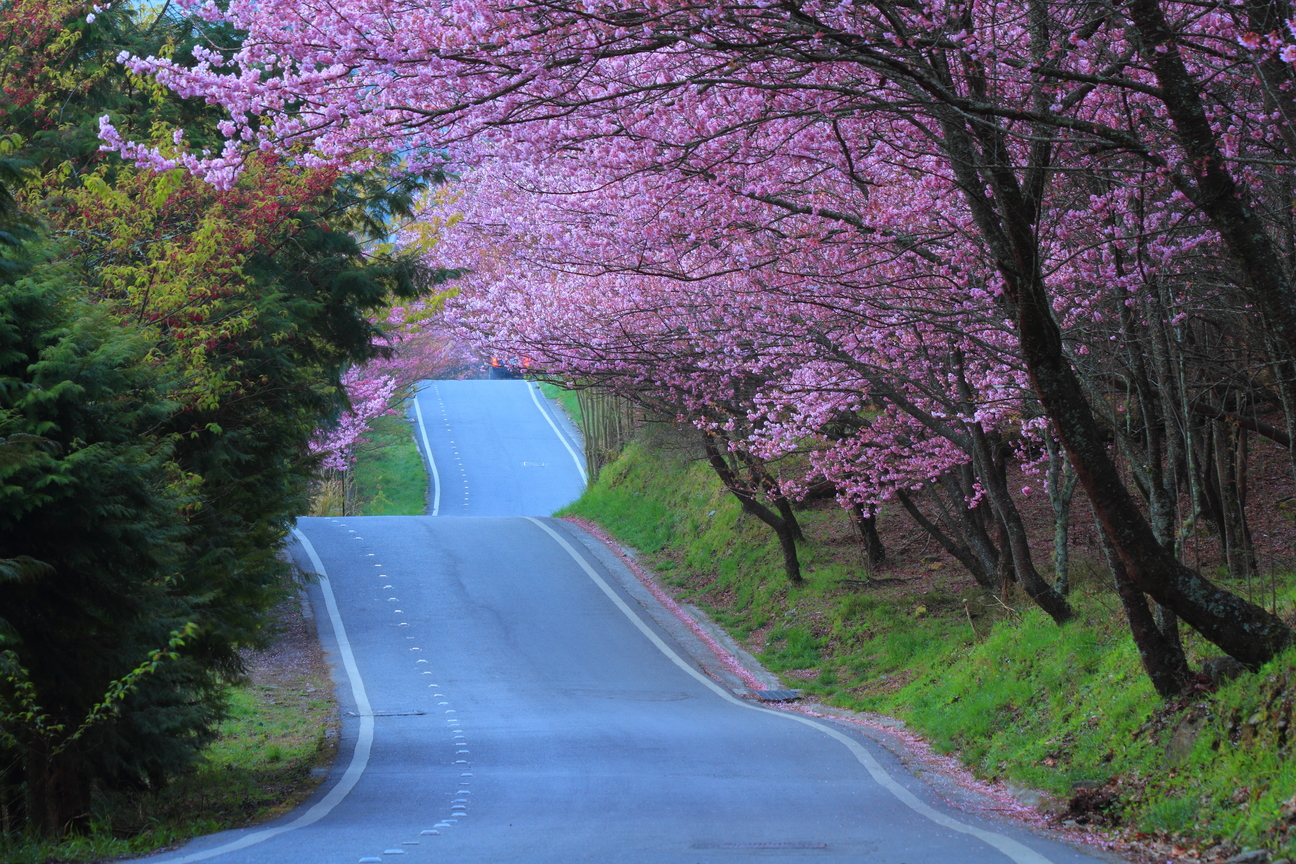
column 1018, row 698
column 390, row 476
column 279, row 731
column 568, row 399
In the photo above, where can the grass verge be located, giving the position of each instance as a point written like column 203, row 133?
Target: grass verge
column 390, row 476
column 271, row 753
column 568, row 399
column 1063, row 710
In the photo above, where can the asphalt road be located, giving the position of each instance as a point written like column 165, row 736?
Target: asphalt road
column 499, row 448
column 506, row 700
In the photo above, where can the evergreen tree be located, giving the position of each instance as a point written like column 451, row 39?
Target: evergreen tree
column 90, row 491
column 167, row 351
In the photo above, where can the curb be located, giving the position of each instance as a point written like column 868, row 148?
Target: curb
column 745, row 675
column 735, row 668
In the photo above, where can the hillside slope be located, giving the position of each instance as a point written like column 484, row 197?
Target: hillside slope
column 1018, row 699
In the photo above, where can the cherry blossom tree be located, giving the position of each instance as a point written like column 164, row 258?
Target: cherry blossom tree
column 759, row 357
column 963, row 168
column 369, row 397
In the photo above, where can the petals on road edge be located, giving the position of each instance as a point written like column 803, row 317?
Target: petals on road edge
column 958, row 784
column 1014, row 850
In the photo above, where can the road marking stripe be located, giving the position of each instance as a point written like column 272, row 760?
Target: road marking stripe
column 427, row 450
column 580, row 466
column 1014, row 850
column 359, row 759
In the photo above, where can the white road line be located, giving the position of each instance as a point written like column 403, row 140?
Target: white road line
column 359, row 759
column 1014, row 850
column 427, row 448
column 580, row 466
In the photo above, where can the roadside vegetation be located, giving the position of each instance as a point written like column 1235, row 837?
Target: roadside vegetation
column 269, row 753
column 568, row 399
column 391, row 479
column 175, row 355
column 387, row 478
column 1065, row 710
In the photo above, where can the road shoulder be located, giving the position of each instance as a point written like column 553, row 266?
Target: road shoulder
column 941, row 779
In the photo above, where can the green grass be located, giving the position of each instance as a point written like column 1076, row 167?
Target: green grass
column 1015, row 696
column 390, row 476
column 566, row 398
column 277, row 731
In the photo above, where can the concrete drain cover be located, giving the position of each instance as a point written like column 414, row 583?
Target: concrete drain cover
column 775, row 844
column 776, row 695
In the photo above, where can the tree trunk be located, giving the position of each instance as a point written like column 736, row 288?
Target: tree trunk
column 765, row 482
column 993, row 474
column 788, row 515
column 1285, row 375
column 1006, row 220
column 788, row 543
column 1242, row 629
column 1005, row 572
column 985, row 578
column 1211, row 500
column 1062, row 484
column 1243, row 479
column 1231, row 537
column 1147, row 466
column 996, row 487
column 960, row 486
column 865, row 522
column 1160, row 652
column 783, row 528
column 1168, row 363
column 58, row 792
column 1207, row 181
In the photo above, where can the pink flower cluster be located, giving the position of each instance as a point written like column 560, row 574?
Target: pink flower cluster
column 800, row 225
column 414, row 348
column 369, row 396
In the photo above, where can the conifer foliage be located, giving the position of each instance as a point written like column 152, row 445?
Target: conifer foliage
column 168, row 352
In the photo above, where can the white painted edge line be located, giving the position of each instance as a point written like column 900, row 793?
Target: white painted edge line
column 359, row 759
column 580, row 465
column 1009, row 847
column 427, row 451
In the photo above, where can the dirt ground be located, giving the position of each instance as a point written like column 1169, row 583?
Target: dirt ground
column 293, row 675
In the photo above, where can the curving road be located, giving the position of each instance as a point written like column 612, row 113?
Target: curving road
column 499, row 448
column 509, row 696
